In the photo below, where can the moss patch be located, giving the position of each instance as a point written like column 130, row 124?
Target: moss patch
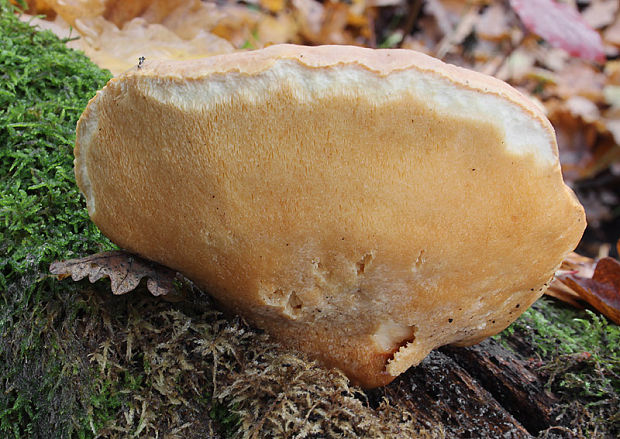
column 578, row 353
column 43, row 89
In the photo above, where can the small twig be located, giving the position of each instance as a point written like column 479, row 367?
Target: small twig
column 459, row 32
column 412, row 18
column 493, row 68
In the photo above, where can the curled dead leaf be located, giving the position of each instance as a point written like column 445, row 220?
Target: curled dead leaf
column 125, row 271
column 602, row 290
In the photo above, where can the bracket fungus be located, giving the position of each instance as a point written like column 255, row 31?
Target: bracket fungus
column 364, row 206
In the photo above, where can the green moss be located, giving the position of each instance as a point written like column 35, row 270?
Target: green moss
column 44, row 87
column 105, row 403
column 226, row 417
column 561, row 330
column 578, row 352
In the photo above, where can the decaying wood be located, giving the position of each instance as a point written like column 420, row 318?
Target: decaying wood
column 483, row 391
column 507, row 378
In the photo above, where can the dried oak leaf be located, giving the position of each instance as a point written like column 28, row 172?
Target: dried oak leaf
column 602, row 291
column 562, row 26
column 125, row 271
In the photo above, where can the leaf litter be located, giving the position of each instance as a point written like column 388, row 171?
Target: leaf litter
column 602, row 291
column 581, row 279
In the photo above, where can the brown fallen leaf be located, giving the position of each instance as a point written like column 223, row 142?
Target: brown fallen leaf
column 565, row 294
column 602, row 291
column 574, row 264
column 125, row 271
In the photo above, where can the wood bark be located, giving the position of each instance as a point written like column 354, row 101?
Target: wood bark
column 483, row 391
